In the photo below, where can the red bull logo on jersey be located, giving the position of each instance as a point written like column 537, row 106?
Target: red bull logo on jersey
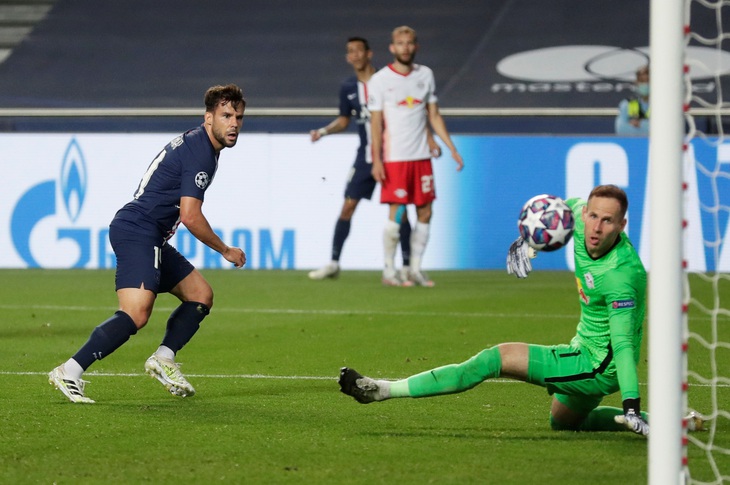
column 590, row 282
column 410, row 102
column 582, row 294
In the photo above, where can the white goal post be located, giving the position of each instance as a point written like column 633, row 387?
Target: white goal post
column 665, row 325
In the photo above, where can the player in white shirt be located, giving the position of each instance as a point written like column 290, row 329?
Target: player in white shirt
column 403, row 102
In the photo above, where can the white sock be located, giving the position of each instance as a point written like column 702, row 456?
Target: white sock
column 391, row 236
column 73, row 369
column 419, row 240
column 165, row 352
column 383, row 389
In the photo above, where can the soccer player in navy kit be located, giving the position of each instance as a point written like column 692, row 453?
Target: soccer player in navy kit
column 170, row 192
column 360, row 182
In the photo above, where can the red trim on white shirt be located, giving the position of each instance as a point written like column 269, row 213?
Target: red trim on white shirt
column 399, row 73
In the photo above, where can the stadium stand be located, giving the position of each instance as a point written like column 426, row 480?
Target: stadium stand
column 17, row 19
column 163, row 54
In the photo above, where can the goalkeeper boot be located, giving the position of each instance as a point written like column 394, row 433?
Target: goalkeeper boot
column 168, row 373
column 72, row 388
column 419, row 278
column 364, row 389
column 695, row 421
column 330, row 270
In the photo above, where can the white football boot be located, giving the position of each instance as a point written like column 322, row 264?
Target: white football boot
column 330, row 270
column 73, row 389
column 695, row 421
column 168, row 373
column 419, row 278
column 390, row 278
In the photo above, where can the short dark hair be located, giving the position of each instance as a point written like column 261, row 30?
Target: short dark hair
column 360, row 39
column 230, row 93
column 612, row 192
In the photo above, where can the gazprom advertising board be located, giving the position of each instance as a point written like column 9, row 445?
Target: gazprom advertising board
column 278, row 197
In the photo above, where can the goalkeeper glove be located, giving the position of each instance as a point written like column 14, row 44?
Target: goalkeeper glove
column 631, row 418
column 518, row 258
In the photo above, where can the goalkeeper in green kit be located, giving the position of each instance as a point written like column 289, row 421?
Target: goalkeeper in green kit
column 600, row 360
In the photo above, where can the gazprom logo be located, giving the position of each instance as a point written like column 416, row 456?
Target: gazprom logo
column 39, row 203
column 73, row 179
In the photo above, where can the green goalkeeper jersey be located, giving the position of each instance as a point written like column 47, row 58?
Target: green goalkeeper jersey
column 612, row 293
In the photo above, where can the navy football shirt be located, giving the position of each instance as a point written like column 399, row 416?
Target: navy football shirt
column 185, row 167
column 353, row 103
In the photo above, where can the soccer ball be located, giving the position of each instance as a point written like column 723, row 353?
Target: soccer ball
column 546, row 223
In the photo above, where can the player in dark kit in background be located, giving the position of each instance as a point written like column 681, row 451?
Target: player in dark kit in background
column 171, row 192
column 360, row 182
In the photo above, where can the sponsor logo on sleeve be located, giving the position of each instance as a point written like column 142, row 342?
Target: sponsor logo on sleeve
column 201, row 180
column 623, row 304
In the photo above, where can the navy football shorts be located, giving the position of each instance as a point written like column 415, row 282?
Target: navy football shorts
column 360, row 183
column 140, row 261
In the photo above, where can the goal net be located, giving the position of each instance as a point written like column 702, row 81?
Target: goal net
column 706, row 295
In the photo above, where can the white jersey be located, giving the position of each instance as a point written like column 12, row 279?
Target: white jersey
column 403, row 100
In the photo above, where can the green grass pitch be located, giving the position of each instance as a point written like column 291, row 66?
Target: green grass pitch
column 268, row 408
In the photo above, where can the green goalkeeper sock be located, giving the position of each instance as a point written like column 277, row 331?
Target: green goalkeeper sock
column 601, row 419
column 451, row 378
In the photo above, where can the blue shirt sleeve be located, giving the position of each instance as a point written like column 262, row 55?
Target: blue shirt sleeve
column 344, row 102
column 198, row 166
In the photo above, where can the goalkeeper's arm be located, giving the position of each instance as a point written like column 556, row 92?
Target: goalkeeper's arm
column 620, row 322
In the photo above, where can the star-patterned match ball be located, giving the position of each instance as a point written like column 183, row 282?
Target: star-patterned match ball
column 546, row 222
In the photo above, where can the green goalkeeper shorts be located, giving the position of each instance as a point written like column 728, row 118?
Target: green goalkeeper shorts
column 568, row 373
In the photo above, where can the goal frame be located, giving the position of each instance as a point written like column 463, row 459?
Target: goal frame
column 665, row 324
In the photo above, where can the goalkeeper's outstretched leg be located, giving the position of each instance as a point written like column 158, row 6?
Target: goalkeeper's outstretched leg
column 448, row 379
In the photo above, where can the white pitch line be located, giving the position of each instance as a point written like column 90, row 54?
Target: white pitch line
column 297, row 311
column 212, row 376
